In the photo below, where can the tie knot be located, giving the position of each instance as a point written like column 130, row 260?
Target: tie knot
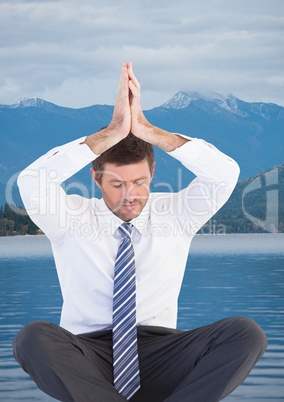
column 125, row 230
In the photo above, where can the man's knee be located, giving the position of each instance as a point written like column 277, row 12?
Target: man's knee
column 250, row 334
column 27, row 342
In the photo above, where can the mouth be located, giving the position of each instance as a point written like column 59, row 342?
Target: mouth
column 130, row 206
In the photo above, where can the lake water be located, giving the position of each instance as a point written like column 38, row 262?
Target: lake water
column 226, row 275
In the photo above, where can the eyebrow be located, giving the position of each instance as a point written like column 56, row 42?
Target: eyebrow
column 122, row 181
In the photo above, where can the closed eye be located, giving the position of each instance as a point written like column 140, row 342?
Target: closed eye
column 139, row 183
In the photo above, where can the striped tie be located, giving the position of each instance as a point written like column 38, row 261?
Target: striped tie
column 125, row 351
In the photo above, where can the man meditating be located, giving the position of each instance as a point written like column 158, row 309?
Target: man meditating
column 121, row 278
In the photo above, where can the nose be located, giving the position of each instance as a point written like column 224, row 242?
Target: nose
column 130, row 192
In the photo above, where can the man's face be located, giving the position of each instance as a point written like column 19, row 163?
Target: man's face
column 125, row 189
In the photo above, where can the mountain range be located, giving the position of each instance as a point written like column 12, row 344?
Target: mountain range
column 251, row 133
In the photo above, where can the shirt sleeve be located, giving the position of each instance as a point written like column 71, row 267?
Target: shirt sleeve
column 216, row 177
column 40, row 186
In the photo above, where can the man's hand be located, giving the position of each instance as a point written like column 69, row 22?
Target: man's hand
column 121, row 119
column 128, row 116
column 120, row 124
column 141, row 127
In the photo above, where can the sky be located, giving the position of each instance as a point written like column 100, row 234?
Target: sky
column 70, row 52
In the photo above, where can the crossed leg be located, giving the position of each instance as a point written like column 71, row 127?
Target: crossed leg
column 201, row 365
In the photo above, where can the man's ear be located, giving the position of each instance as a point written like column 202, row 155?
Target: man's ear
column 96, row 178
column 153, row 170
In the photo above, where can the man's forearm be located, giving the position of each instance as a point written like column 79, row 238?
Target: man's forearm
column 162, row 138
column 102, row 140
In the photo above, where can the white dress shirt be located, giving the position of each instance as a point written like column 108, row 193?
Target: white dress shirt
column 84, row 238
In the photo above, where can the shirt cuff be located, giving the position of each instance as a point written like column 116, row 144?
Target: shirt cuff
column 193, row 147
column 80, row 154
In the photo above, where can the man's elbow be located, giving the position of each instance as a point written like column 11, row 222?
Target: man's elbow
column 230, row 178
column 27, row 182
column 236, row 172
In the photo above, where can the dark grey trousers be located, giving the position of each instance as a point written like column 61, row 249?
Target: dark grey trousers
column 202, row 365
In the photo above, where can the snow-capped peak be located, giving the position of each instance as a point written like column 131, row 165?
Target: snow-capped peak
column 29, row 102
column 182, row 99
column 179, row 101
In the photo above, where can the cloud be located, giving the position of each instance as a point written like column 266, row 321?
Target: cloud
column 70, row 52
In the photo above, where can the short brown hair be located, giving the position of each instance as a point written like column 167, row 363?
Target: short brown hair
column 129, row 150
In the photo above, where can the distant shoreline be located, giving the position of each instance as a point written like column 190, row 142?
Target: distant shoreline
column 253, row 244
column 197, row 234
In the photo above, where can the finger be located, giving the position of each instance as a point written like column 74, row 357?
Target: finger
column 124, row 73
column 132, row 76
column 123, row 83
column 135, row 98
column 134, row 90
